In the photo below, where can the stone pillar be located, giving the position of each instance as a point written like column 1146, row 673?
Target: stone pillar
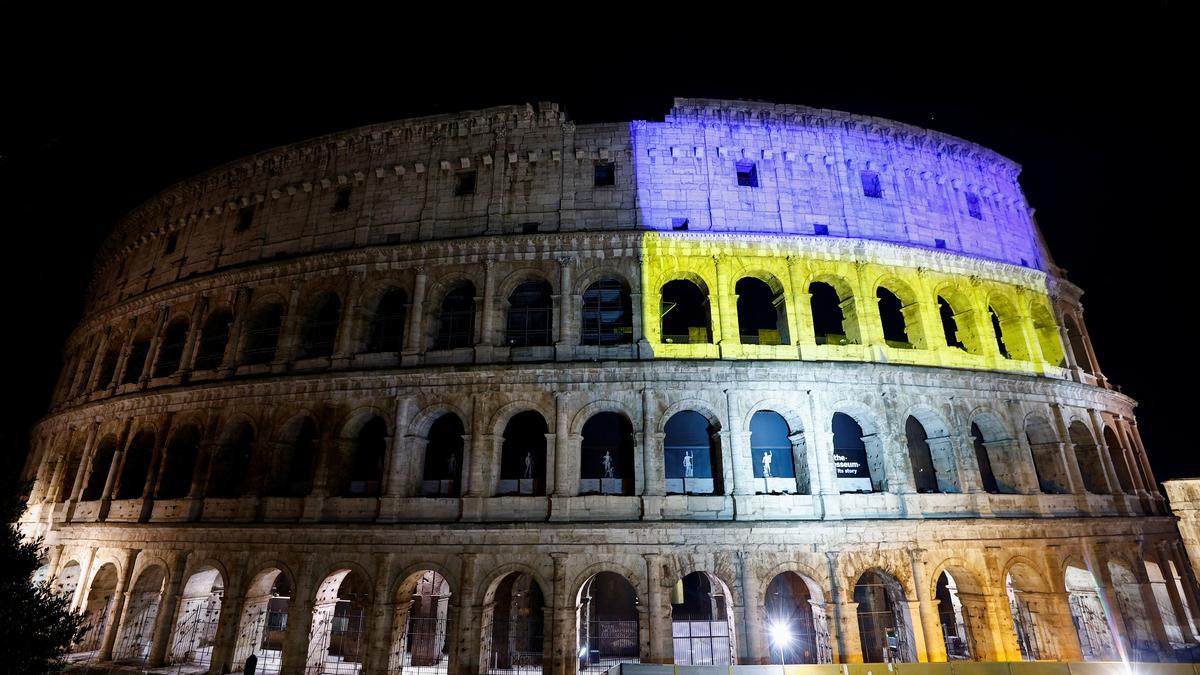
column 561, row 656
column 927, row 608
column 241, row 303
column 416, row 317
column 156, row 340
column 299, row 621
column 85, row 467
column 739, row 447
column 346, row 340
column 1176, row 554
column 289, row 331
column 114, row 468
column 401, row 461
column 487, row 322
column 168, row 604
column 652, row 465
column 376, row 648
column 753, row 648
column 195, row 328
column 1178, row 605
column 821, row 461
column 658, row 614
column 1069, row 458
column 564, row 480
column 842, row 616
column 803, row 335
column 1110, row 470
column 637, row 325
column 1154, row 614
column 89, row 383
column 464, row 658
column 116, row 611
column 722, row 302
column 567, row 320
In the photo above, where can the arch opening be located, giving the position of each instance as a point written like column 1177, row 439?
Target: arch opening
column 761, row 312
column 264, row 623
column 691, row 455
column 607, row 314
column 774, row 457
column 523, row 456
column 197, row 620
column 182, row 453
column 421, row 627
column 702, row 627
column 135, row 360
column 1116, row 453
column 892, row 320
column 796, row 624
column 513, row 626
column 953, row 618
column 365, row 475
column 883, row 623
column 984, row 461
column 262, row 334
column 96, row 610
column 998, row 333
column 1089, row 616
column 386, row 333
column 141, row 614
column 606, row 464
column 1026, row 601
column 1078, row 347
column 829, row 320
column 857, row 457
column 456, row 318
column 1047, row 456
column 214, row 337
column 231, row 466
column 950, row 328
column 295, row 458
column 529, row 315
column 337, row 639
column 170, row 352
column 442, row 476
column 136, row 468
column 607, row 623
column 684, row 313
column 318, row 333
column 101, row 464
column 1087, row 455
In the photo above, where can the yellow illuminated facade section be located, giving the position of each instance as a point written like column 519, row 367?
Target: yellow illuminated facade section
column 973, row 290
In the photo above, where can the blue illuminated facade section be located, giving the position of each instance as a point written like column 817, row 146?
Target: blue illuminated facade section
column 740, row 167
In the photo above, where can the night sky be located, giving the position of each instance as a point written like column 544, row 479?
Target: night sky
column 1100, row 132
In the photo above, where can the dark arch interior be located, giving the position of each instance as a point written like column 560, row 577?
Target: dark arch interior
column 828, row 318
column 101, row 463
column 919, row 455
column 292, row 474
column 895, row 330
column 850, row 456
column 607, row 317
column 987, row 477
column 691, row 455
column 443, row 457
column 136, row 469
column 523, row 456
column 366, row 466
column 170, row 353
column 213, row 339
column 529, row 309
column 771, row 452
column 135, row 361
column 456, row 320
column 517, row 624
column 789, row 604
column 607, row 622
column 949, row 324
column 181, row 463
column 998, row 332
column 685, row 313
column 262, row 334
column 762, row 317
column 320, row 328
column 606, row 455
column 881, row 625
column 232, row 462
column 387, row 323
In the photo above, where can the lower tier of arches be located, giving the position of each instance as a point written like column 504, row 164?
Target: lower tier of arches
column 547, row 598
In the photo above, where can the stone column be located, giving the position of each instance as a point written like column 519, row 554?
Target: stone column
column 195, row 329
column 1069, row 458
column 487, row 331
column 567, row 320
column 156, row 340
column 379, row 624
column 658, row 614
column 93, row 372
column 1110, row 470
column 346, row 341
column 467, row 652
column 561, row 655
column 803, row 335
column 842, row 615
column 168, row 604
column 241, row 303
column 289, row 331
column 821, row 461
column 416, row 318
column 652, row 466
column 722, row 301
column 123, row 356
column 114, row 468
column 565, row 481
column 739, row 448
column 753, row 648
column 1178, row 606
column 927, row 608
column 401, row 460
column 299, row 621
column 116, row 611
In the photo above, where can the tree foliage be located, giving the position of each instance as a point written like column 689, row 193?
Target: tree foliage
column 39, row 624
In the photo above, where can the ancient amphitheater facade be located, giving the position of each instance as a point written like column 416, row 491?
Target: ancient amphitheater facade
column 496, row 392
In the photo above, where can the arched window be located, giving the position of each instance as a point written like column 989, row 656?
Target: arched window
column 337, row 641
column 771, row 454
column 949, row 324
column 1078, row 347
column 443, row 458
column 180, row 460
column 529, row 308
column 882, row 619
column 135, row 362
column 523, row 456
column 998, row 331
column 953, row 618
column 828, row 319
column 295, row 457
column 1047, row 456
column 170, row 354
column 607, row 317
column 136, row 469
column 108, row 364
column 456, row 321
column 685, row 313
column 387, row 323
column 1087, row 454
column 925, row 477
column 891, row 317
column 762, row 312
column 1116, row 452
column 607, row 629
column 691, row 455
column 858, row 469
column 516, row 634
column 262, row 334
column 231, row 465
column 101, row 464
column 984, row 461
column 319, row 330
column 213, row 339
column 702, row 625
column 366, row 464
column 1048, row 336
column 797, row 627
column 606, row 455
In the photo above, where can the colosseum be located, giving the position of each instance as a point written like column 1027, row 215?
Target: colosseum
column 494, row 392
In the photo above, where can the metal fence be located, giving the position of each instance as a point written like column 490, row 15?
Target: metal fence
column 604, row 644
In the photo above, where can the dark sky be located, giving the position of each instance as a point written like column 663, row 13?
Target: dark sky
column 1100, row 128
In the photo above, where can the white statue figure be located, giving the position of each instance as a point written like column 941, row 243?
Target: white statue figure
column 452, row 467
column 608, row 465
column 766, row 462
column 688, row 468
column 529, row 465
